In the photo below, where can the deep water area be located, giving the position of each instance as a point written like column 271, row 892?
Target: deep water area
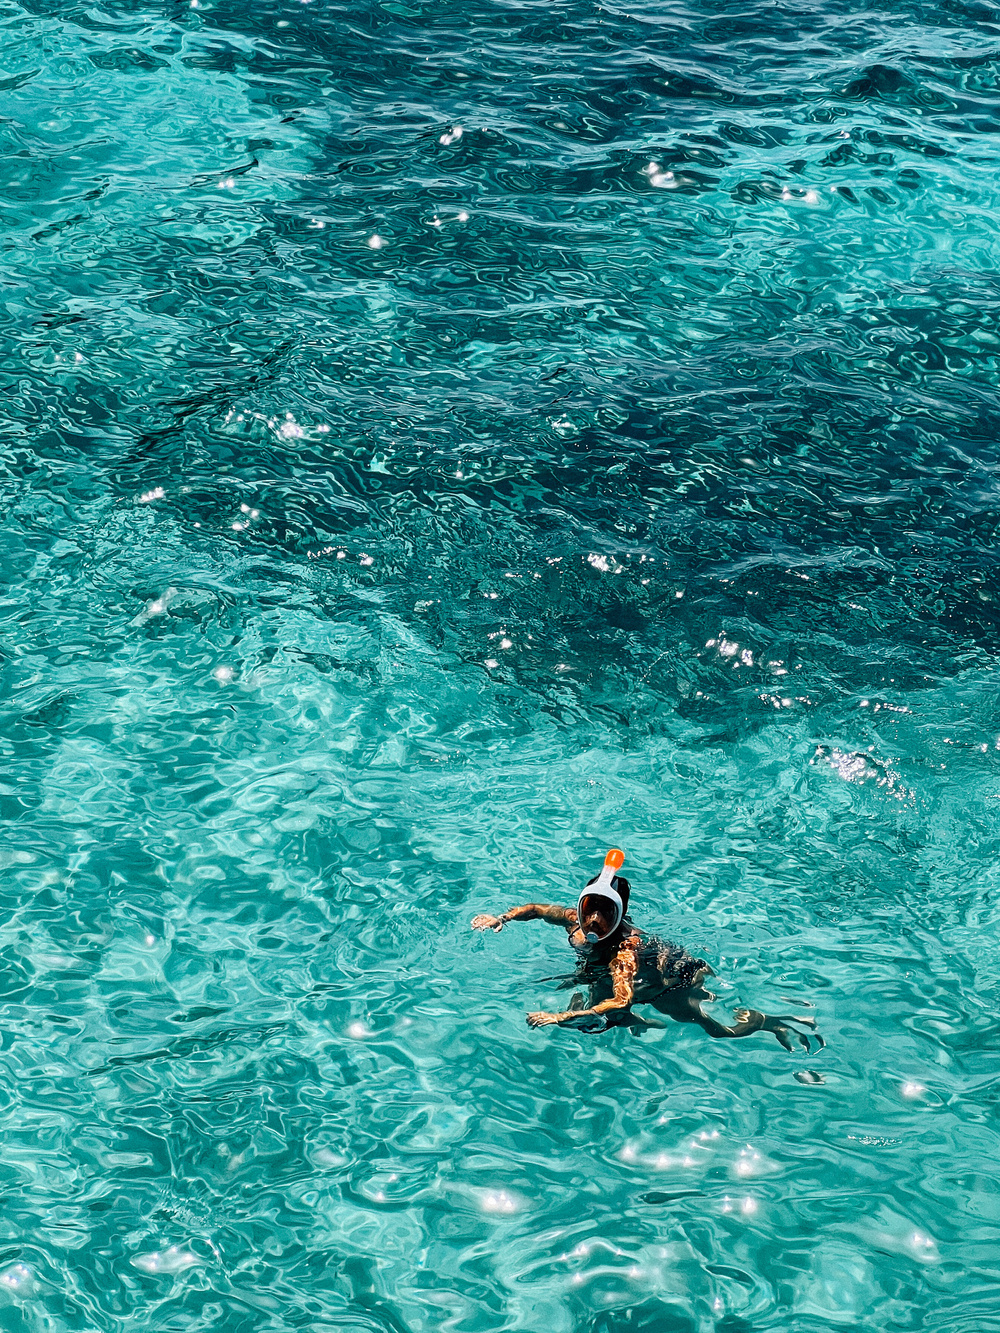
column 442, row 441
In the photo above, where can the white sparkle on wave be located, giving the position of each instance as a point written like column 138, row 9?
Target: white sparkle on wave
column 499, row 1201
column 174, row 1259
column 16, row 1277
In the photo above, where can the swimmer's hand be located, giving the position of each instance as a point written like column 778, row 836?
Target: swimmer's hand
column 542, row 1020
column 486, row 922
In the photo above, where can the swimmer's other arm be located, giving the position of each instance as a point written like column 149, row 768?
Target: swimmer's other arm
column 623, row 968
column 556, row 916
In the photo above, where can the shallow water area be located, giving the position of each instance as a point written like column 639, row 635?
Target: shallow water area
column 443, row 442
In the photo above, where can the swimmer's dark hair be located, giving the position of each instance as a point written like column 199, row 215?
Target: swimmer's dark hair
column 620, row 885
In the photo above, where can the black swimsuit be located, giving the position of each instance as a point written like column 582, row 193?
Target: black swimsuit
column 663, row 966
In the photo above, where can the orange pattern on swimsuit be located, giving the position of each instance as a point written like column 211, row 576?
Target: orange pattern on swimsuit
column 623, row 968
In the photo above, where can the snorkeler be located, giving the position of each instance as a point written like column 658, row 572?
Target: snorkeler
column 623, row 966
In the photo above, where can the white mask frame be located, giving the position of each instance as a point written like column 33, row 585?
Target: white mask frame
column 603, row 887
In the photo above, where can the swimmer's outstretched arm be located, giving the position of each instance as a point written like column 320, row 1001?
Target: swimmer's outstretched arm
column 556, row 916
column 623, row 968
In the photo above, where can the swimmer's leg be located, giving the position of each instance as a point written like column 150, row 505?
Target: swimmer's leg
column 637, row 1026
column 782, row 1026
column 685, row 1007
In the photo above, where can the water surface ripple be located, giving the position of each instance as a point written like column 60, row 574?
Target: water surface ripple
column 442, row 441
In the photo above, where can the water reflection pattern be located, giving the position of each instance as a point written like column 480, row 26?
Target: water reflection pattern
column 441, row 442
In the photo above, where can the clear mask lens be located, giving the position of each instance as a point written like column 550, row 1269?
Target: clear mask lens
column 611, row 912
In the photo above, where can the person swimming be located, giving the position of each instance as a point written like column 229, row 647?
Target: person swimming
column 624, row 966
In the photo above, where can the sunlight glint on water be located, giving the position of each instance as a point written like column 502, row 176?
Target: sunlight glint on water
column 442, row 443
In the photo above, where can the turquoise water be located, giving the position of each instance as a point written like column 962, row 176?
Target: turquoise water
column 442, row 442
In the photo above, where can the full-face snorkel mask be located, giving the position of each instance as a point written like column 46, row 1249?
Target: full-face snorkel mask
column 602, row 888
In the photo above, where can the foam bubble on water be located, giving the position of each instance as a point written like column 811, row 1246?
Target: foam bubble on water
column 661, row 180
column 375, row 242
column 147, row 497
column 850, row 767
column 175, row 1259
column 858, row 766
column 491, row 663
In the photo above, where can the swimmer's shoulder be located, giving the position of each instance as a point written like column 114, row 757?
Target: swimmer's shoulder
column 675, row 964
